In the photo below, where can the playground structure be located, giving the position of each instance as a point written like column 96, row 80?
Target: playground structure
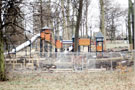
column 45, row 38
column 60, row 53
column 99, row 42
column 47, row 41
column 68, row 45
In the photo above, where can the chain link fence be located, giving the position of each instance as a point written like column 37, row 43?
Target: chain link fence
column 79, row 61
column 133, row 57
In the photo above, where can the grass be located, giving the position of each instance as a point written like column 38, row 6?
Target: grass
column 70, row 81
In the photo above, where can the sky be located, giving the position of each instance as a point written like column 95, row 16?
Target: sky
column 124, row 3
column 93, row 18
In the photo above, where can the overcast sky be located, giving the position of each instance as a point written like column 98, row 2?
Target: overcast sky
column 93, row 19
column 124, row 3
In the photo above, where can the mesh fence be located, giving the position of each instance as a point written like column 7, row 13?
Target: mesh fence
column 111, row 71
column 133, row 62
column 74, row 61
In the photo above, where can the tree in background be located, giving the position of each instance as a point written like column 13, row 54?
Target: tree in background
column 84, row 22
column 15, row 30
column 9, row 25
column 102, row 21
column 78, row 25
column 130, row 17
column 86, row 19
column 65, row 32
column 102, row 17
column 2, row 62
column 112, row 17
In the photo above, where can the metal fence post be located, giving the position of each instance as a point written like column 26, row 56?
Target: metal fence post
column 111, row 65
column 87, row 61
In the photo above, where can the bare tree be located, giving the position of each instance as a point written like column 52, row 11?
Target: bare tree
column 130, row 16
column 65, row 34
column 15, row 30
column 9, row 17
column 102, row 21
column 112, row 17
column 78, row 25
column 102, row 17
column 87, row 6
column 2, row 63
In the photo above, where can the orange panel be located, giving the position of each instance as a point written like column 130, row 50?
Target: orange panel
column 47, row 37
column 84, row 42
column 42, row 35
column 99, row 48
column 58, row 44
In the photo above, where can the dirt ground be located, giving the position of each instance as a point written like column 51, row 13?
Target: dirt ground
column 70, row 81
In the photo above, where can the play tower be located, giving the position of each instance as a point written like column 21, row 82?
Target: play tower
column 45, row 38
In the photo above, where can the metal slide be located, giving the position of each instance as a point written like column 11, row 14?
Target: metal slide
column 25, row 44
column 70, row 48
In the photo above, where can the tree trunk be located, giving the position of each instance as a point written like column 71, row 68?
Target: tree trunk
column 87, row 18
column 78, row 25
column 41, row 14
column 129, row 25
column 102, row 21
column 65, row 34
column 68, row 20
column 112, row 28
column 132, row 11
column 73, row 21
column 2, row 63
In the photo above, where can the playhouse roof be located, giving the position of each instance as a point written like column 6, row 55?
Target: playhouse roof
column 46, row 28
column 99, row 35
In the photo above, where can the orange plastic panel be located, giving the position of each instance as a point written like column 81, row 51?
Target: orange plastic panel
column 58, row 44
column 47, row 37
column 99, row 48
column 42, row 35
column 84, row 42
